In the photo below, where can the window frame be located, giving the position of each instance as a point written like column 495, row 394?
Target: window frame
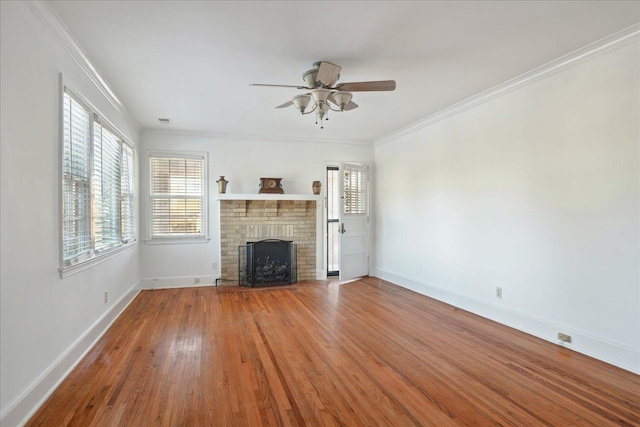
column 203, row 236
column 91, row 257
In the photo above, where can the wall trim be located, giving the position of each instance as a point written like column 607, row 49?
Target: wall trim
column 599, row 348
column 148, row 283
column 607, row 44
column 76, row 268
column 252, row 138
column 43, row 11
column 23, row 408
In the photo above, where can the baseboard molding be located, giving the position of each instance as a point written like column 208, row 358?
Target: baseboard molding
column 176, row 282
column 190, row 281
column 615, row 354
column 30, row 401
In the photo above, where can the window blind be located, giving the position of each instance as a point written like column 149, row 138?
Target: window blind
column 76, row 167
column 177, row 196
column 355, row 191
column 106, row 187
column 98, row 211
column 127, row 189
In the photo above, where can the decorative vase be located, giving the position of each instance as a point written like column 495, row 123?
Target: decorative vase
column 222, row 185
column 316, row 186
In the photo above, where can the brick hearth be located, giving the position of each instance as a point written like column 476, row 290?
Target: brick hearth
column 243, row 221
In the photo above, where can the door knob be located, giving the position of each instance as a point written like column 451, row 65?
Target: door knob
column 342, row 229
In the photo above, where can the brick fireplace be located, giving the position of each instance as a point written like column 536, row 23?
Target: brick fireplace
column 244, row 220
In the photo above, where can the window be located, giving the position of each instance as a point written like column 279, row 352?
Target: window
column 106, row 184
column 178, row 196
column 76, row 183
column 97, row 186
column 333, row 221
column 355, row 191
column 127, row 213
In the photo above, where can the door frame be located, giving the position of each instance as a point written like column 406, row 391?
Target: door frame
column 326, row 225
column 370, row 196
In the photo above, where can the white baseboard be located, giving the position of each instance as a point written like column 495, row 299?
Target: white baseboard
column 615, row 354
column 176, row 282
column 39, row 391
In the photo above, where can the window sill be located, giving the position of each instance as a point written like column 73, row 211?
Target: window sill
column 177, row 240
column 96, row 259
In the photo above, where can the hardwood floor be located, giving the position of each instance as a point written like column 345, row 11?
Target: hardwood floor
column 361, row 353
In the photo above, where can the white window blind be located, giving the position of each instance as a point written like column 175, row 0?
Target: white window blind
column 355, row 189
column 106, row 187
column 76, row 189
column 98, row 207
column 127, row 184
column 178, row 189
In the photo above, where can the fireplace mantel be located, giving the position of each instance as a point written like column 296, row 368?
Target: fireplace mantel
column 266, row 196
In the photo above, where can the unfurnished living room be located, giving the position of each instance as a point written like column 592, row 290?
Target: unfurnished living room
column 306, row 213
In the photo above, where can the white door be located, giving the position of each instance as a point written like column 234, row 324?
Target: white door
column 354, row 221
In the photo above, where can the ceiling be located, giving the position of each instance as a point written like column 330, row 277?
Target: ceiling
column 193, row 61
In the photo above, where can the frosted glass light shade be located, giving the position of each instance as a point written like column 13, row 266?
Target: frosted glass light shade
column 320, row 95
column 342, row 98
column 310, row 78
column 321, row 110
column 301, row 102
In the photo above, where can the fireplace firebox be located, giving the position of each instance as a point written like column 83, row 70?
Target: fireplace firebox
column 270, row 262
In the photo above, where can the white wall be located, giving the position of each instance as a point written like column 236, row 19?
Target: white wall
column 243, row 163
column 46, row 322
column 537, row 192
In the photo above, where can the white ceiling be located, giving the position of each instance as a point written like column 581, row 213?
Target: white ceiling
column 193, row 61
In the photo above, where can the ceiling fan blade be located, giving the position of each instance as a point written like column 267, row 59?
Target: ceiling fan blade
column 328, row 74
column 285, row 105
column 381, row 85
column 350, row 106
column 267, row 85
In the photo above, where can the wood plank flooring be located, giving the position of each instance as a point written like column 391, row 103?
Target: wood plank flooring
column 322, row 354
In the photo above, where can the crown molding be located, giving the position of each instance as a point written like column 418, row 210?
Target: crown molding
column 252, row 137
column 43, row 11
column 614, row 41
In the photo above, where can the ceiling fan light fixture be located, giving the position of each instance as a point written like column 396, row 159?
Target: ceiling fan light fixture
column 322, row 108
column 310, row 78
column 342, row 98
column 320, row 95
column 301, row 102
column 327, row 95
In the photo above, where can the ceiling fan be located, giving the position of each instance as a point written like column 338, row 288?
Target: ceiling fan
column 321, row 84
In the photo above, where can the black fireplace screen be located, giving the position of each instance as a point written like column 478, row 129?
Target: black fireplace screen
column 267, row 263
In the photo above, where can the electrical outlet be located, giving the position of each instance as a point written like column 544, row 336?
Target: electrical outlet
column 498, row 292
column 106, row 297
column 564, row 337
column 214, row 265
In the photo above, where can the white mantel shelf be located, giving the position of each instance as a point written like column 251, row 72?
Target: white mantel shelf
column 268, row 197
